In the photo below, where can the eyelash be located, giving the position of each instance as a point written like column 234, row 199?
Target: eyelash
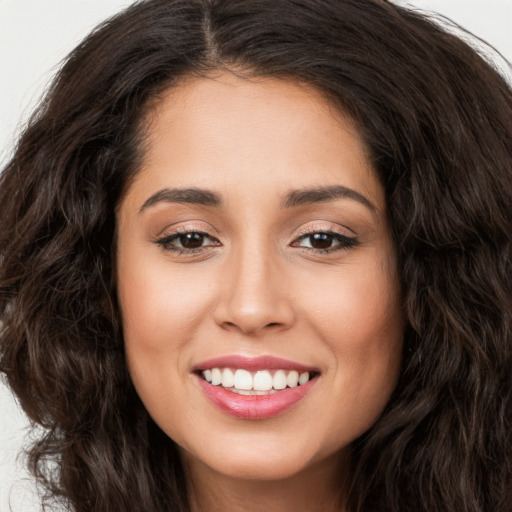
column 167, row 240
column 344, row 242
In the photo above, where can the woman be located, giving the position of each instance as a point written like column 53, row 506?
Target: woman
column 255, row 255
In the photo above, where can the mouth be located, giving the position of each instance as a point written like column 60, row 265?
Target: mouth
column 256, row 383
column 255, row 388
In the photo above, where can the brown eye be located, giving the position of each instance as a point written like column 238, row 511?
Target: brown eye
column 325, row 241
column 191, row 240
column 321, row 240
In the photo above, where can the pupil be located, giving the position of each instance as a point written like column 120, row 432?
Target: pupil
column 192, row 240
column 321, row 241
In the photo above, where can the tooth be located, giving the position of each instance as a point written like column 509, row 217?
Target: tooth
column 262, row 381
column 243, row 380
column 303, row 378
column 251, row 392
column 216, row 376
column 247, row 392
column 279, row 380
column 228, row 379
column 293, row 379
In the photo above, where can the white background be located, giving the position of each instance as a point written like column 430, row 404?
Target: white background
column 35, row 35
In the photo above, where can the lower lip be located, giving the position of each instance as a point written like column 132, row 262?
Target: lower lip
column 255, row 407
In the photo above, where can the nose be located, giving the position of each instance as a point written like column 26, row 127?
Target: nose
column 253, row 296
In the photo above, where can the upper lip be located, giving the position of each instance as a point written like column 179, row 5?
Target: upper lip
column 253, row 363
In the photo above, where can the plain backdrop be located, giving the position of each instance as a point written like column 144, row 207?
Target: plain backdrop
column 35, row 35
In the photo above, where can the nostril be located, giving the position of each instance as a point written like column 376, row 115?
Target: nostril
column 249, row 328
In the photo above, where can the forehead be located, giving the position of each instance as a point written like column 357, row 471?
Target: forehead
column 234, row 132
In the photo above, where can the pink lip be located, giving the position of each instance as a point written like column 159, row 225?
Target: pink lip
column 253, row 407
column 253, row 363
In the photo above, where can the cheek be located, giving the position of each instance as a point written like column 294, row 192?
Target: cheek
column 159, row 306
column 358, row 318
column 356, row 309
column 161, row 311
column 368, row 321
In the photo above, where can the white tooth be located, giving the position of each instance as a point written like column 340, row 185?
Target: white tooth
column 243, row 379
column 207, row 374
column 303, row 378
column 216, row 376
column 279, row 380
column 228, row 379
column 247, row 392
column 293, row 379
column 262, row 381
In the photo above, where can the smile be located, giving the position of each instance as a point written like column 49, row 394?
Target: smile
column 261, row 382
column 254, row 388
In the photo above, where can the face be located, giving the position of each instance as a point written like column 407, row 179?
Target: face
column 257, row 279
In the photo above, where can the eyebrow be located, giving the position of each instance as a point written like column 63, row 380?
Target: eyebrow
column 183, row 195
column 292, row 199
column 324, row 194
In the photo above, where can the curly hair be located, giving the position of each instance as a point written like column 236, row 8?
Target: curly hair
column 437, row 121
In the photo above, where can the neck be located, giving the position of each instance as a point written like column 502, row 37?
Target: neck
column 319, row 487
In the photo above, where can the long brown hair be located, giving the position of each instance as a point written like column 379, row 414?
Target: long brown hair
column 437, row 121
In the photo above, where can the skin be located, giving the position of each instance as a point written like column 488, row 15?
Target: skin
column 258, row 285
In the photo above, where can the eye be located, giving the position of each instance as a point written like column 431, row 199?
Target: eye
column 187, row 241
column 325, row 241
column 191, row 240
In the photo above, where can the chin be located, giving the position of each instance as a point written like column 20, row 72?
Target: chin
column 254, row 467
column 261, row 457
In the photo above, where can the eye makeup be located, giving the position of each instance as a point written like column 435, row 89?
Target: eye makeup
column 190, row 240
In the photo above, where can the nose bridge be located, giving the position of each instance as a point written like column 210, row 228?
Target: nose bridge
column 252, row 296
